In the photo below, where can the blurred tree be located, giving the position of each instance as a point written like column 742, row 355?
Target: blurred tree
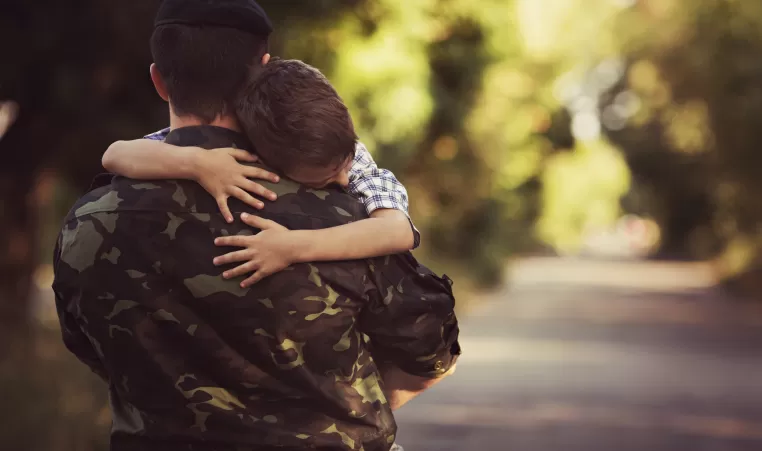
column 65, row 64
column 695, row 141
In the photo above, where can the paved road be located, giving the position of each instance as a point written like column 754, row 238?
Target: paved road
column 587, row 356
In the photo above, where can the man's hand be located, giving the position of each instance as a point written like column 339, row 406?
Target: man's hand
column 221, row 174
column 266, row 253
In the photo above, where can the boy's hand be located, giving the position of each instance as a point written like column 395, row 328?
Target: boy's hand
column 265, row 253
column 220, row 173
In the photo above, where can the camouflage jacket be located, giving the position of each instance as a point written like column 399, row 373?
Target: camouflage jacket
column 194, row 362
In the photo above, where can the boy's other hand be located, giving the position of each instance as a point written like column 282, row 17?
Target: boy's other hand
column 221, row 174
column 266, row 253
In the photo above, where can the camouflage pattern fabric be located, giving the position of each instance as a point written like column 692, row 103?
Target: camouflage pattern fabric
column 194, row 362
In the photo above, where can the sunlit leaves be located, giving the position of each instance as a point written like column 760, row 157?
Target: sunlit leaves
column 582, row 191
column 384, row 77
column 687, row 127
column 697, row 72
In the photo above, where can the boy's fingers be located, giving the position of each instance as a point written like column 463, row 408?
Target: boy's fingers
column 256, row 188
column 240, row 270
column 232, row 257
column 222, row 204
column 257, row 222
column 261, row 174
column 247, row 198
column 254, row 278
column 242, row 155
column 233, row 240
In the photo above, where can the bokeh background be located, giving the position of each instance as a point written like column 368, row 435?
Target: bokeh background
column 543, row 135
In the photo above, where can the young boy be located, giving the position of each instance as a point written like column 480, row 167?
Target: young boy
column 389, row 229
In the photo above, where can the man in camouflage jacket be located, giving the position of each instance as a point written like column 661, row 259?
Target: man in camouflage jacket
column 195, row 362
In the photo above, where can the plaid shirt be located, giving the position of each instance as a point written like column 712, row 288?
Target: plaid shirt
column 376, row 187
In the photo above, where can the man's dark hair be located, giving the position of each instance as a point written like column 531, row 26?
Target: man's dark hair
column 205, row 67
column 294, row 117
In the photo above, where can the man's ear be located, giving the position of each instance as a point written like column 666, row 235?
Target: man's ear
column 158, row 83
column 265, row 58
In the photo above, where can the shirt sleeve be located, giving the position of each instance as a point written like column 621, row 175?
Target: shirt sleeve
column 104, row 179
column 161, row 135
column 378, row 188
column 410, row 317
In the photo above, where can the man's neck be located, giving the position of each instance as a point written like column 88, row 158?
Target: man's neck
column 229, row 122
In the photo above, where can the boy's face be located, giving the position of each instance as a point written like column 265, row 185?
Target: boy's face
column 322, row 177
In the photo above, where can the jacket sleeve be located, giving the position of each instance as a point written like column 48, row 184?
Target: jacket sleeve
column 74, row 337
column 410, row 316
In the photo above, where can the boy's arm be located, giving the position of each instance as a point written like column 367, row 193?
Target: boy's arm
column 385, row 232
column 217, row 171
column 389, row 230
column 146, row 159
column 275, row 247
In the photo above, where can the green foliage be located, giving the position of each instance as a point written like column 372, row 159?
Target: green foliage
column 696, row 141
column 573, row 203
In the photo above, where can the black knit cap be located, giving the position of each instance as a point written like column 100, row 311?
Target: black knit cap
column 245, row 15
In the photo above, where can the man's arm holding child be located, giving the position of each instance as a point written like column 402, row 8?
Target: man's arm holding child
column 411, row 322
column 401, row 387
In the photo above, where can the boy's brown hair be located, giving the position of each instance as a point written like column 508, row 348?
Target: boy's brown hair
column 295, row 118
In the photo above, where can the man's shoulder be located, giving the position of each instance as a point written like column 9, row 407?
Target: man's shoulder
column 306, row 207
column 124, row 194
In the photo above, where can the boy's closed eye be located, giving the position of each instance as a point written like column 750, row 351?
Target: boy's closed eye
column 322, row 177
